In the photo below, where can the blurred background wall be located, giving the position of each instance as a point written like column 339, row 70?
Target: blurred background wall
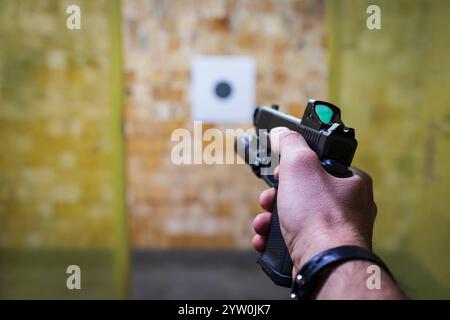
column 392, row 85
column 200, row 205
column 205, row 206
column 61, row 168
column 85, row 171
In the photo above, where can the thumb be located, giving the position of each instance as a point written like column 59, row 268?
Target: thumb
column 295, row 154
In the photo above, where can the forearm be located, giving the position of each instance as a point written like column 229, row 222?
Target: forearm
column 351, row 280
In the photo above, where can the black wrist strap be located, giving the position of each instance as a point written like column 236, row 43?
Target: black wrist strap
column 307, row 279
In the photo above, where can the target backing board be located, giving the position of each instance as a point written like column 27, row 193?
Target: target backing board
column 223, row 89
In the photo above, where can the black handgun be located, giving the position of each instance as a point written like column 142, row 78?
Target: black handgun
column 334, row 143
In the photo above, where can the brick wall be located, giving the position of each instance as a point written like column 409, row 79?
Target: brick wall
column 201, row 205
column 392, row 83
column 58, row 159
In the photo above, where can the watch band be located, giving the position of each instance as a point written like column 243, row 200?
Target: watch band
column 308, row 277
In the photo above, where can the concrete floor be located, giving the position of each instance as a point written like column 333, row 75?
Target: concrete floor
column 200, row 275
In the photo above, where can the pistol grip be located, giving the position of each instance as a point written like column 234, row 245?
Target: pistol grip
column 275, row 259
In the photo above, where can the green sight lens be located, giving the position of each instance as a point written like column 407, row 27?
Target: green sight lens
column 325, row 113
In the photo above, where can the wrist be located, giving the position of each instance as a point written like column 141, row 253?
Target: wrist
column 341, row 272
column 303, row 249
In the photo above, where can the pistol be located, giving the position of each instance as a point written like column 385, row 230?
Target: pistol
column 322, row 128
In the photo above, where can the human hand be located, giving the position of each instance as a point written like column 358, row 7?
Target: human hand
column 317, row 211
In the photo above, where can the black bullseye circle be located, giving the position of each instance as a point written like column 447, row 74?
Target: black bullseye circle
column 223, row 89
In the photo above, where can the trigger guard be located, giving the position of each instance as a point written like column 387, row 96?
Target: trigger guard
column 336, row 169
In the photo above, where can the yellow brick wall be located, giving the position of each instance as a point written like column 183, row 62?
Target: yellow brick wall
column 61, row 169
column 393, row 87
column 206, row 206
column 57, row 153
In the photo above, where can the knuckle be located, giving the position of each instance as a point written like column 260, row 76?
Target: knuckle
column 364, row 175
column 288, row 138
column 301, row 156
column 357, row 182
column 368, row 179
